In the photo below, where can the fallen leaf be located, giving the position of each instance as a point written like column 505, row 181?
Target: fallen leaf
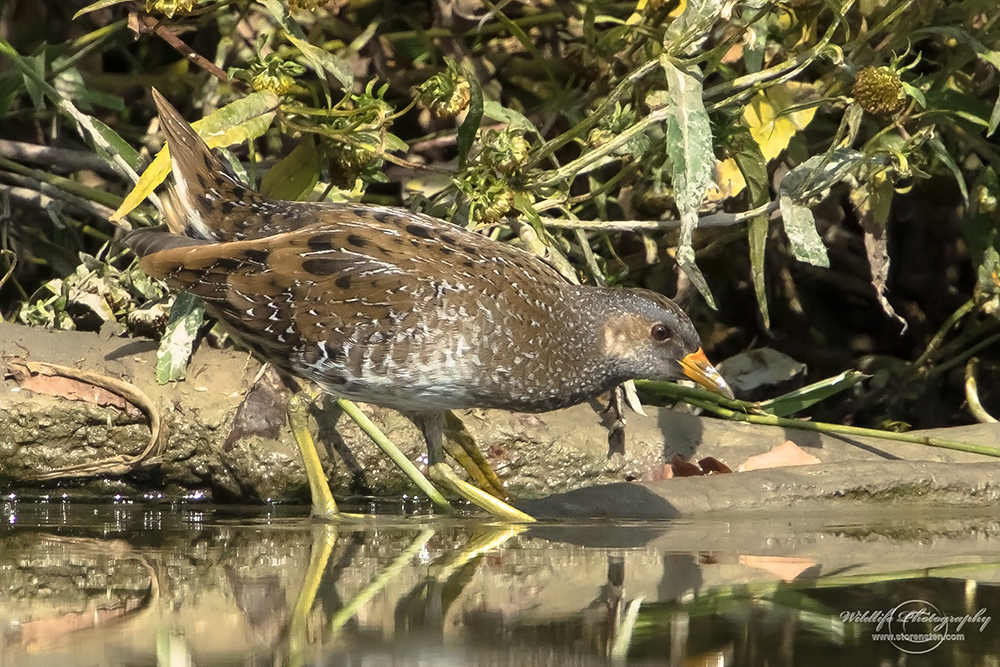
column 785, row 454
column 678, row 467
column 74, row 390
column 713, row 466
column 684, row 468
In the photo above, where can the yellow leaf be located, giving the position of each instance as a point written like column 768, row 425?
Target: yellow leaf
column 770, row 128
column 640, row 7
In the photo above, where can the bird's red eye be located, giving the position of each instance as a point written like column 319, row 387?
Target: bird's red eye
column 660, row 332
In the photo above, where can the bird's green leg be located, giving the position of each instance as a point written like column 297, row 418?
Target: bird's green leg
column 462, row 447
column 431, row 424
column 323, row 504
column 387, row 446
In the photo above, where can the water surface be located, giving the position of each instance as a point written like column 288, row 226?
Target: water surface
column 144, row 584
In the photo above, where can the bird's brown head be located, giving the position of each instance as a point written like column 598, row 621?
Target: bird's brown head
column 654, row 339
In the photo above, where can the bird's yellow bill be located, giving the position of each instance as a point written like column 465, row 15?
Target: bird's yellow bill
column 697, row 368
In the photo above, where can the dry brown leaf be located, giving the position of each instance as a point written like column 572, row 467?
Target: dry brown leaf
column 678, row 467
column 74, row 390
column 713, row 466
column 23, row 371
column 785, row 454
column 684, row 468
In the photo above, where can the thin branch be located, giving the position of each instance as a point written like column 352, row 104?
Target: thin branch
column 150, row 24
column 50, row 156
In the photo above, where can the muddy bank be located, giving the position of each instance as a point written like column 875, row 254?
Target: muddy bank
column 214, row 450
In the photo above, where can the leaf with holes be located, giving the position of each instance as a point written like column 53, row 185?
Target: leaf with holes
column 800, row 227
column 689, row 147
column 178, row 338
column 871, row 202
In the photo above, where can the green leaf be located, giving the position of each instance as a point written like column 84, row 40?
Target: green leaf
column 981, row 233
column 915, row 93
column 800, row 399
column 800, row 227
column 994, row 118
column 945, row 157
column 295, row 176
column 244, row 119
column 473, row 119
column 689, row 147
column 821, row 172
column 69, row 82
column 123, row 148
column 317, row 58
column 235, row 165
column 100, row 4
column 757, row 230
column 751, row 162
column 86, row 124
column 186, row 317
column 526, row 206
column 697, row 17
column 515, row 120
column 35, row 84
column 816, row 174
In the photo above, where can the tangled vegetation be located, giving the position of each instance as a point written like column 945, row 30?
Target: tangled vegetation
column 817, row 176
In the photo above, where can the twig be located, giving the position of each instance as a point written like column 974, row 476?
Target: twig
column 713, row 220
column 150, row 24
column 47, row 195
column 51, row 156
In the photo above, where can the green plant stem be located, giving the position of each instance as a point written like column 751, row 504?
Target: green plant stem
column 955, row 361
column 939, row 337
column 865, row 38
column 67, row 185
column 573, row 168
column 840, row 429
column 584, row 126
column 954, row 347
column 737, row 88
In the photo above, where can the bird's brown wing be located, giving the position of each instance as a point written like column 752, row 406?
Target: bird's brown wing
column 336, row 297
